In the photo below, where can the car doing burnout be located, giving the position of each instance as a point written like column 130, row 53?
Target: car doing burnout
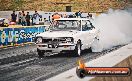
column 67, row 34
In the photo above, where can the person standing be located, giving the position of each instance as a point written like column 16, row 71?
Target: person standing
column 20, row 18
column 44, row 21
column 23, row 19
column 28, row 19
column 89, row 15
column 56, row 16
column 64, row 16
column 49, row 18
column 32, row 19
column 36, row 18
column 13, row 17
column 76, row 14
column 80, row 14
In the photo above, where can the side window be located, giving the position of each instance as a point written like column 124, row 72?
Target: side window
column 86, row 26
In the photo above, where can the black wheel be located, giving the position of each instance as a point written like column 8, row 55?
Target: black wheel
column 40, row 53
column 78, row 50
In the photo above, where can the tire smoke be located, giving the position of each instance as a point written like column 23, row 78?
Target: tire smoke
column 115, row 29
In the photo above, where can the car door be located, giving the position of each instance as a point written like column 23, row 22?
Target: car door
column 88, row 33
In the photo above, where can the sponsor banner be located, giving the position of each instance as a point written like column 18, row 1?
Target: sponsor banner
column 16, row 36
column 83, row 71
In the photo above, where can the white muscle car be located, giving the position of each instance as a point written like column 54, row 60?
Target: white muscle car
column 67, row 34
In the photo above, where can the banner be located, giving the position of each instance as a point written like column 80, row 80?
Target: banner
column 18, row 35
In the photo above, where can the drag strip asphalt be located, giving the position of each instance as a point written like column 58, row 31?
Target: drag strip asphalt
column 40, row 69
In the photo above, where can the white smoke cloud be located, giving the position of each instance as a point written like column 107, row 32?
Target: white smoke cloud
column 115, row 29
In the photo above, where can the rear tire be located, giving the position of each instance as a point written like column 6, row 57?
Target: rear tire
column 40, row 53
column 78, row 50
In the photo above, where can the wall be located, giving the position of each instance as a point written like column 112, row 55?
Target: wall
column 13, row 36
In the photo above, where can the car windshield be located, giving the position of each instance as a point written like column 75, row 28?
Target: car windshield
column 67, row 25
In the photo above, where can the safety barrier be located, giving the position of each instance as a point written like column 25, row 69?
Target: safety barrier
column 14, row 36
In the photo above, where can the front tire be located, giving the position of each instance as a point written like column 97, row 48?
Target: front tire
column 40, row 53
column 78, row 50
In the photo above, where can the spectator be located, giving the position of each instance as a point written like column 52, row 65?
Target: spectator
column 49, row 18
column 80, row 14
column 2, row 22
column 20, row 18
column 76, row 14
column 89, row 15
column 61, row 15
column 28, row 19
column 52, row 17
column 36, row 18
column 71, row 16
column 23, row 19
column 64, row 16
column 13, row 17
column 44, row 21
column 32, row 19
column 56, row 16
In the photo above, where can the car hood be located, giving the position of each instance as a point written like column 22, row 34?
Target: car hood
column 58, row 33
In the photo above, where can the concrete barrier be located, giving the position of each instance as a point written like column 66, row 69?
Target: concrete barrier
column 14, row 36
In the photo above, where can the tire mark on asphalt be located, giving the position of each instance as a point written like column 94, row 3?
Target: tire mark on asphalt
column 42, row 69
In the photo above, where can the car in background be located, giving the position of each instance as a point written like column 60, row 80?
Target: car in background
column 67, row 34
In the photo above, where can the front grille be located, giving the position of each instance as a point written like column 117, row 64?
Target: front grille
column 55, row 40
column 47, row 40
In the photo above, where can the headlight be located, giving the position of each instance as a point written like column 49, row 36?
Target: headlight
column 39, row 40
column 68, row 39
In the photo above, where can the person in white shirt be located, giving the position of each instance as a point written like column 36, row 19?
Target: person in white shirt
column 20, row 18
column 36, row 17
